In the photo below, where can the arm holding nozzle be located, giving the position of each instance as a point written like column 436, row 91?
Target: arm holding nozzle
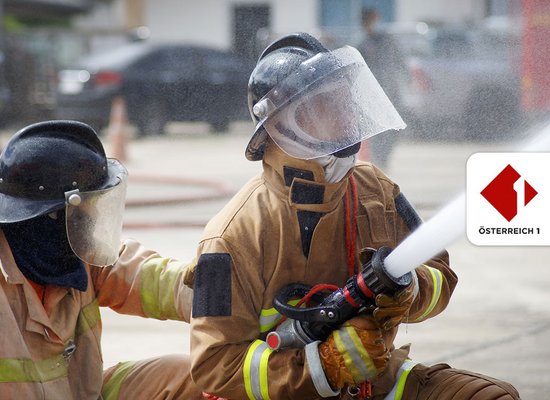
column 360, row 292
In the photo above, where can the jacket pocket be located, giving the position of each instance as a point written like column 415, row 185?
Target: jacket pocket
column 377, row 226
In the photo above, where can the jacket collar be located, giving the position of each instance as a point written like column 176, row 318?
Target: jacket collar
column 301, row 182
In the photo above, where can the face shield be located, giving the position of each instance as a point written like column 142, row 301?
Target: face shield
column 330, row 102
column 94, row 218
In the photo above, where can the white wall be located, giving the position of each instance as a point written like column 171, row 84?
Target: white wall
column 203, row 22
column 438, row 10
column 291, row 15
column 210, row 22
column 104, row 17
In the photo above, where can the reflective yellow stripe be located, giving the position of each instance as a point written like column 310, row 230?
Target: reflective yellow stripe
column 399, row 387
column 270, row 317
column 111, row 388
column 88, row 318
column 356, row 357
column 437, row 279
column 158, row 280
column 255, row 371
column 25, row 370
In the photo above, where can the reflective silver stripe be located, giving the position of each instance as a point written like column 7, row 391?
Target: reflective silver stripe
column 437, row 279
column 355, row 356
column 255, row 370
column 316, row 371
column 400, row 380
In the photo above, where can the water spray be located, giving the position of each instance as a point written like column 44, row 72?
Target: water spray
column 429, row 239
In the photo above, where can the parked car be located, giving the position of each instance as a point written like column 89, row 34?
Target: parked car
column 464, row 76
column 160, row 83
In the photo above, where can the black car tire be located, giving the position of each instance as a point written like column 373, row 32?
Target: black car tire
column 152, row 119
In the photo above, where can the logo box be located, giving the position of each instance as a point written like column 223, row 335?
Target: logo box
column 508, row 199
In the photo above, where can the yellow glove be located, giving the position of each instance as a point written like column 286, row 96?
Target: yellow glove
column 391, row 310
column 354, row 353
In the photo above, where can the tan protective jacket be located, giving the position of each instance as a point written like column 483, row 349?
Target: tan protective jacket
column 53, row 350
column 254, row 247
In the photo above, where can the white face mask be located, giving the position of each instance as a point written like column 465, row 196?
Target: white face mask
column 336, row 168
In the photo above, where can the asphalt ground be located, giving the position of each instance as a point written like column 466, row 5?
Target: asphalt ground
column 498, row 321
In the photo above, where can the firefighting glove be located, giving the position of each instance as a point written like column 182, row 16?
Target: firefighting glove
column 391, row 310
column 354, row 353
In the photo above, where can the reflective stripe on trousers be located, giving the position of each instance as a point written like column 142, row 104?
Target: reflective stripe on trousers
column 397, row 391
column 255, row 371
column 111, row 388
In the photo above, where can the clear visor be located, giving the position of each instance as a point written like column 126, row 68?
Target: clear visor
column 94, row 219
column 332, row 101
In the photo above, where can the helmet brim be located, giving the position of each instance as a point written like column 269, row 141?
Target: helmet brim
column 256, row 145
column 17, row 209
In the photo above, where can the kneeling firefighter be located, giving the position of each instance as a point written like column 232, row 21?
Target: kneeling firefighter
column 308, row 220
column 61, row 206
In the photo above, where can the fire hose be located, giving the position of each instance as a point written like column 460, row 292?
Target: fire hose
column 306, row 325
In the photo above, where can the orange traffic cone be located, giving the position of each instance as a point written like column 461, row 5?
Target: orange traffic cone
column 364, row 152
column 118, row 129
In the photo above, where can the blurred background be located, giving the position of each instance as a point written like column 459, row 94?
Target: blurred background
column 475, row 66
column 164, row 84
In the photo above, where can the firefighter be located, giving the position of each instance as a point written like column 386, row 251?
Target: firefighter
column 309, row 218
column 61, row 204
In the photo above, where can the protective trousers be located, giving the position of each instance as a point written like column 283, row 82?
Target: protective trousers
column 157, row 378
column 442, row 382
column 438, row 382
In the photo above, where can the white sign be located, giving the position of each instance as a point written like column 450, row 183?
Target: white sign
column 508, row 199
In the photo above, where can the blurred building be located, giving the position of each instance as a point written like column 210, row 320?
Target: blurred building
column 41, row 36
column 242, row 24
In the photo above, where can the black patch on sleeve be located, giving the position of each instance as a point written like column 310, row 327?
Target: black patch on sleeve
column 308, row 221
column 291, row 173
column 212, row 288
column 407, row 212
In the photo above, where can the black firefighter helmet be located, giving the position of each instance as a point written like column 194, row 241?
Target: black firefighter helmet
column 276, row 62
column 61, row 165
column 43, row 161
column 313, row 102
